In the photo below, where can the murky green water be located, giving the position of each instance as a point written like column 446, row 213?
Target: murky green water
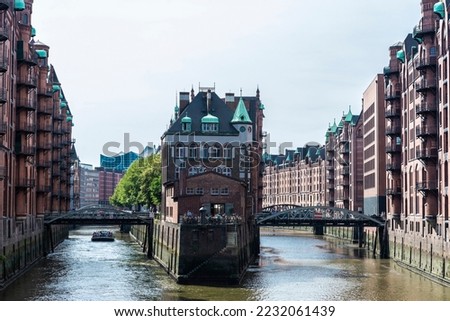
column 290, row 268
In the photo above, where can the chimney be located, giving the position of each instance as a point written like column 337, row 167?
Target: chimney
column 184, row 100
column 208, row 101
column 229, row 101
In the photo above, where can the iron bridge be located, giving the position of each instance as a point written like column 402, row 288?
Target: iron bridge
column 98, row 215
column 294, row 215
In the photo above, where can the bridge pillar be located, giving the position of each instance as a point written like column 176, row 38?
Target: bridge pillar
column 358, row 235
column 318, row 229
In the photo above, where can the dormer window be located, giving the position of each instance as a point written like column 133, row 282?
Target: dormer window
column 210, row 124
column 186, row 124
column 210, row 128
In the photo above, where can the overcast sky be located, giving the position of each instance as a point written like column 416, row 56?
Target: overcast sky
column 121, row 63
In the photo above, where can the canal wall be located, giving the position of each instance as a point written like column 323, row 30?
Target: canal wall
column 202, row 253
column 23, row 244
column 370, row 237
column 428, row 255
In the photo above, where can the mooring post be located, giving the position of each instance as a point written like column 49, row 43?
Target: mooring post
column 50, row 231
column 144, row 244
column 360, row 235
column 150, row 239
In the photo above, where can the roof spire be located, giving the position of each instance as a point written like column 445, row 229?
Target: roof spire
column 240, row 114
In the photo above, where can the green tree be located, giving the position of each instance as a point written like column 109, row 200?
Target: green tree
column 141, row 184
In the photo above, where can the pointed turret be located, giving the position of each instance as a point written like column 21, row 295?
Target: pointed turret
column 240, row 114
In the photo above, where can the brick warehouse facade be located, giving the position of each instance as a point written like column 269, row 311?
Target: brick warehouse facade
column 212, row 188
column 408, row 182
column 416, row 87
column 35, row 141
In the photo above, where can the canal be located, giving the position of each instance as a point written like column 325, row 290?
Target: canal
column 291, row 267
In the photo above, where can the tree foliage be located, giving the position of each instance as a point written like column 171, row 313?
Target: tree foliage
column 141, row 184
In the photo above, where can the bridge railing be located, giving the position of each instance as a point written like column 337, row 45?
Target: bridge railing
column 211, row 220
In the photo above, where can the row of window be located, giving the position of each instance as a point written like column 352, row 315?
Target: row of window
column 206, row 127
column 195, row 170
column 204, row 152
column 213, row 191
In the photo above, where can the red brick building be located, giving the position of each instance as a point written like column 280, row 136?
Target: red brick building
column 212, row 187
column 35, row 139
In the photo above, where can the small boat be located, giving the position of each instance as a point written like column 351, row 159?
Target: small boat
column 104, row 236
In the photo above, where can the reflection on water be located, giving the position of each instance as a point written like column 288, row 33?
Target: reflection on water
column 290, row 268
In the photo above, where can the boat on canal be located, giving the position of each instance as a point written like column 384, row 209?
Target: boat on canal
column 103, row 236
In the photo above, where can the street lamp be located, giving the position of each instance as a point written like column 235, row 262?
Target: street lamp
column 202, row 215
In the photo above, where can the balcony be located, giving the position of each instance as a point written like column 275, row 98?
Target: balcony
column 342, row 182
column 25, row 151
column 427, row 186
column 345, row 170
column 26, row 58
column 394, row 191
column 425, row 131
column 425, row 85
column 427, row 154
column 46, row 92
column 3, row 96
column 44, row 127
column 43, row 164
column 27, row 81
column 424, row 63
column 425, row 29
column 44, row 188
column 392, row 95
column 27, row 104
column 391, row 70
column 393, row 166
column 343, row 159
column 393, row 112
column 25, row 183
column 342, row 196
column 2, row 172
column 4, row 31
column 3, row 127
column 393, row 148
column 4, row 63
column 393, row 130
column 26, row 128
column 46, row 110
column 44, row 145
column 425, row 108
column 4, row 4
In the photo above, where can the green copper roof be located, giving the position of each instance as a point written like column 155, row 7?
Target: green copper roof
column 63, row 104
column 19, row 5
column 33, row 31
column 176, row 109
column 401, row 55
column 333, row 129
column 69, row 118
column 186, row 119
column 41, row 53
column 349, row 116
column 210, row 119
column 56, row 88
column 439, row 9
column 262, row 107
column 241, row 114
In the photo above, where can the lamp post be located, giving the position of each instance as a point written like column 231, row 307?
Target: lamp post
column 202, row 215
